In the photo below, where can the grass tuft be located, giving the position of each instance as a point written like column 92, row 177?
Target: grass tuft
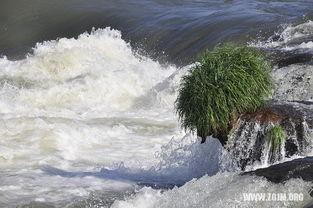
column 225, row 83
column 276, row 136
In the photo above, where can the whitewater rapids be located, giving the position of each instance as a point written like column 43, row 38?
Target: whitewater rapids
column 89, row 122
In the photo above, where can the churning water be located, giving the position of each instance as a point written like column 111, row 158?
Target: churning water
column 90, row 121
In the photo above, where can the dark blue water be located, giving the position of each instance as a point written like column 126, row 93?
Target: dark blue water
column 175, row 31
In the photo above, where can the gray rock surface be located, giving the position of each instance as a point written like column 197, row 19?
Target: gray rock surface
column 293, row 82
column 298, row 168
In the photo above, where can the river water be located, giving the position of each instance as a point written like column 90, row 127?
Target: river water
column 87, row 91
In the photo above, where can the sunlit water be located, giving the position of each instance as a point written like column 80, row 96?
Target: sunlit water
column 90, row 122
column 174, row 31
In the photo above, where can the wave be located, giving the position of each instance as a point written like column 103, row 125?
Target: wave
column 95, row 73
column 181, row 160
column 221, row 190
column 290, row 37
column 75, row 105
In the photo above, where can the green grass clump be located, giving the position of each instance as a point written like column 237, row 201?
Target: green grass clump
column 225, row 83
column 276, row 136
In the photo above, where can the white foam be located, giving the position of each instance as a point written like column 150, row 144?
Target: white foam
column 290, row 38
column 179, row 161
column 79, row 104
column 88, row 115
column 38, row 186
column 92, row 111
column 221, row 190
column 96, row 73
column 104, row 99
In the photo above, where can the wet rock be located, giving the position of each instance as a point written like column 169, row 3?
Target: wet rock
column 247, row 142
column 292, row 110
column 294, row 82
column 282, row 58
column 295, row 59
column 298, row 168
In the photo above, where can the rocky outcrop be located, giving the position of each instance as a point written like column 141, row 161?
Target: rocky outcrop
column 294, row 82
column 247, row 142
column 297, row 58
column 291, row 109
column 298, row 168
column 283, row 58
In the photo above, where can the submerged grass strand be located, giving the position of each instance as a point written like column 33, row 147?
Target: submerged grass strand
column 276, row 136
